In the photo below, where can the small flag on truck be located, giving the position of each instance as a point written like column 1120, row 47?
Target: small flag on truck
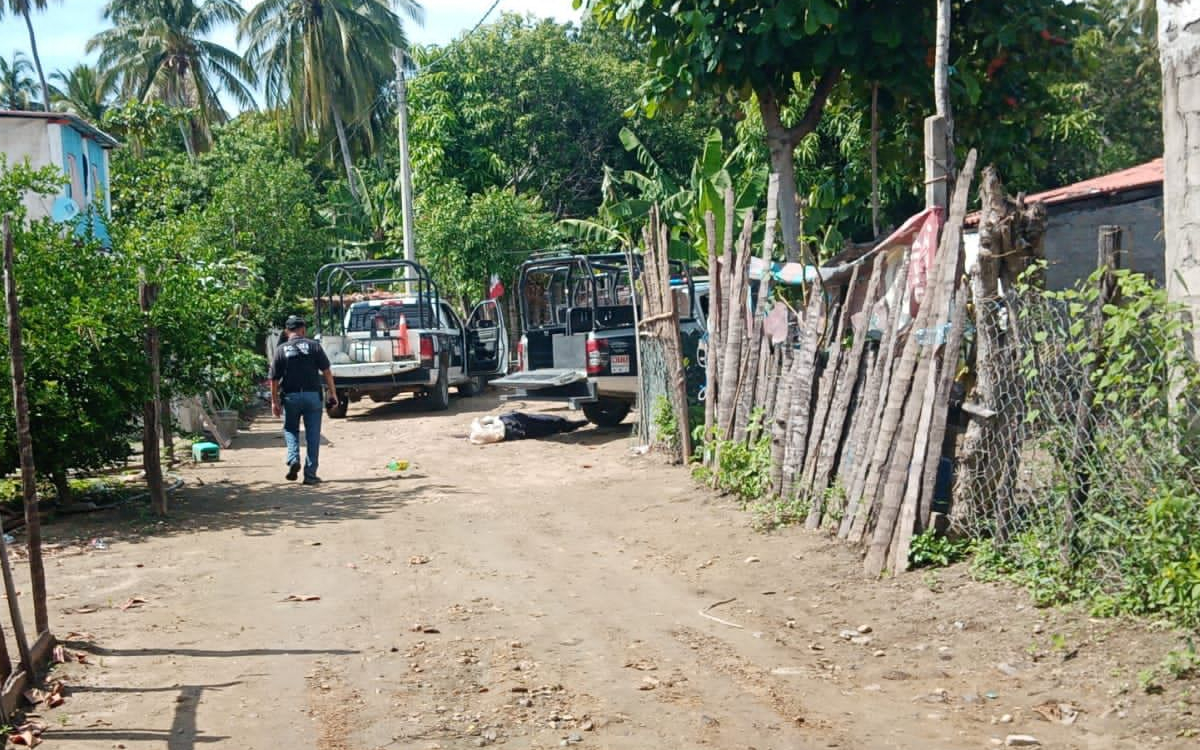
column 495, row 288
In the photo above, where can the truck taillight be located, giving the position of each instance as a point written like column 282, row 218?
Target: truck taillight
column 427, row 351
column 597, row 356
column 522, row 364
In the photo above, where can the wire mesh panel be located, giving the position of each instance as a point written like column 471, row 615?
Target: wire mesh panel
column 1084, row 441
column 655, row 385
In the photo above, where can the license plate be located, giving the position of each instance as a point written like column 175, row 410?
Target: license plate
column 620, row 364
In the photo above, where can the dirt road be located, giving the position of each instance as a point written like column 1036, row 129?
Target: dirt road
column 537, row 593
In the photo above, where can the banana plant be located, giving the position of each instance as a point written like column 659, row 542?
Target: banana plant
column 628, row 196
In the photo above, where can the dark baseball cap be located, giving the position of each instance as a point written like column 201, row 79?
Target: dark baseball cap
column 294, row 322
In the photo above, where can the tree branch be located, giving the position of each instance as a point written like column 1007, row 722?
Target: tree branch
column 816, row 105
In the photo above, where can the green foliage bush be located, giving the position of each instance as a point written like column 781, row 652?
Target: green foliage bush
column 1136, row 548
column 84, row 365
column 466, row 238
column 247, row 198
column 743, row 469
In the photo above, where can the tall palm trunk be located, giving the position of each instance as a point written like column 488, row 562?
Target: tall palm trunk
column 37, row 60
column 344, row 145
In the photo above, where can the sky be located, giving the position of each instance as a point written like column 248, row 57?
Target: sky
column 64, row 28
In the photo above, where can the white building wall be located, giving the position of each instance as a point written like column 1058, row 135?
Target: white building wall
column 30, row 140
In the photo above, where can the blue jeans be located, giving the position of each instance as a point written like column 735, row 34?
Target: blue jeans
column 306, row 405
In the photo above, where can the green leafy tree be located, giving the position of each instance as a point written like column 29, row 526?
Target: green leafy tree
column 247, row 197
column 83, row 90
column 83, row 356
column 790, row 58
column 326, row 62
column 17, row 87
column 782, row 51
column 162, row 51
column 264, row 209
column 25, row 8
column 207, row 309
column 537, row 106
column 467, row 238
column 683, row 203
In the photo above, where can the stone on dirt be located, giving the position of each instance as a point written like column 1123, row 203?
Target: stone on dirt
column 1021, row 740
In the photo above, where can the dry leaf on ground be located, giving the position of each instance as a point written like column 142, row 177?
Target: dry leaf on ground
column 418, row 560
column 302, row 598
column 133, row 603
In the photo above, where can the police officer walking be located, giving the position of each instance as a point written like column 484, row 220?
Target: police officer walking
column 296, row 374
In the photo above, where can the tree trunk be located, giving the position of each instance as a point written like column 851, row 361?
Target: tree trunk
column 37, row 61
column 62, row 485
column 1010, row 233
column 782, row 165
column 33, row 521
column 781, row 143
column 1179, row 52
column 347, row 162
column 151, row 458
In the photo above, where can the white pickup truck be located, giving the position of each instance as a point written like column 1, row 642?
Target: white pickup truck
column 387, row 331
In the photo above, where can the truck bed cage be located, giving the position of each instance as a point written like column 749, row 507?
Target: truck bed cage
column 588, row 265
column 394, row 277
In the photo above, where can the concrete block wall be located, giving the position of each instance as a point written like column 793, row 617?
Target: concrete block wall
column 1071, row 240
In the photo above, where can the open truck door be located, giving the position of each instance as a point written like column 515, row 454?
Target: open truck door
column 487, row 340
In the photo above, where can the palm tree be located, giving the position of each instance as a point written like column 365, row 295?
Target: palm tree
column 83, row 90
column 161, row 51
column 327, row 61
column 24, row 8
column 17, row 86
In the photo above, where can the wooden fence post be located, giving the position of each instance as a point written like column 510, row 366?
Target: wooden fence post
column 1108, row 259
column 151, row 458
column 33, row 521
column 713, row 346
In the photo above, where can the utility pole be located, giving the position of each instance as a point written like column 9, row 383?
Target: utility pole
column 939, row 129
column 406, row 188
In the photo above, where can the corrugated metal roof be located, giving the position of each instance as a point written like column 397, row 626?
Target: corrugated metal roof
column 65, row 118
column 1145, row 175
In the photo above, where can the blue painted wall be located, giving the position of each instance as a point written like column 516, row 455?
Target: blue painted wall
column 87, row 154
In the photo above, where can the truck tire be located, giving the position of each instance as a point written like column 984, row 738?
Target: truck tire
column 438, row 396
column 338, row 410
column 607, row 412
column 473, row 387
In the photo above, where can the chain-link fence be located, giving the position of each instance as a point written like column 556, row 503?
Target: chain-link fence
column 655, row 384
column 1076, row 459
